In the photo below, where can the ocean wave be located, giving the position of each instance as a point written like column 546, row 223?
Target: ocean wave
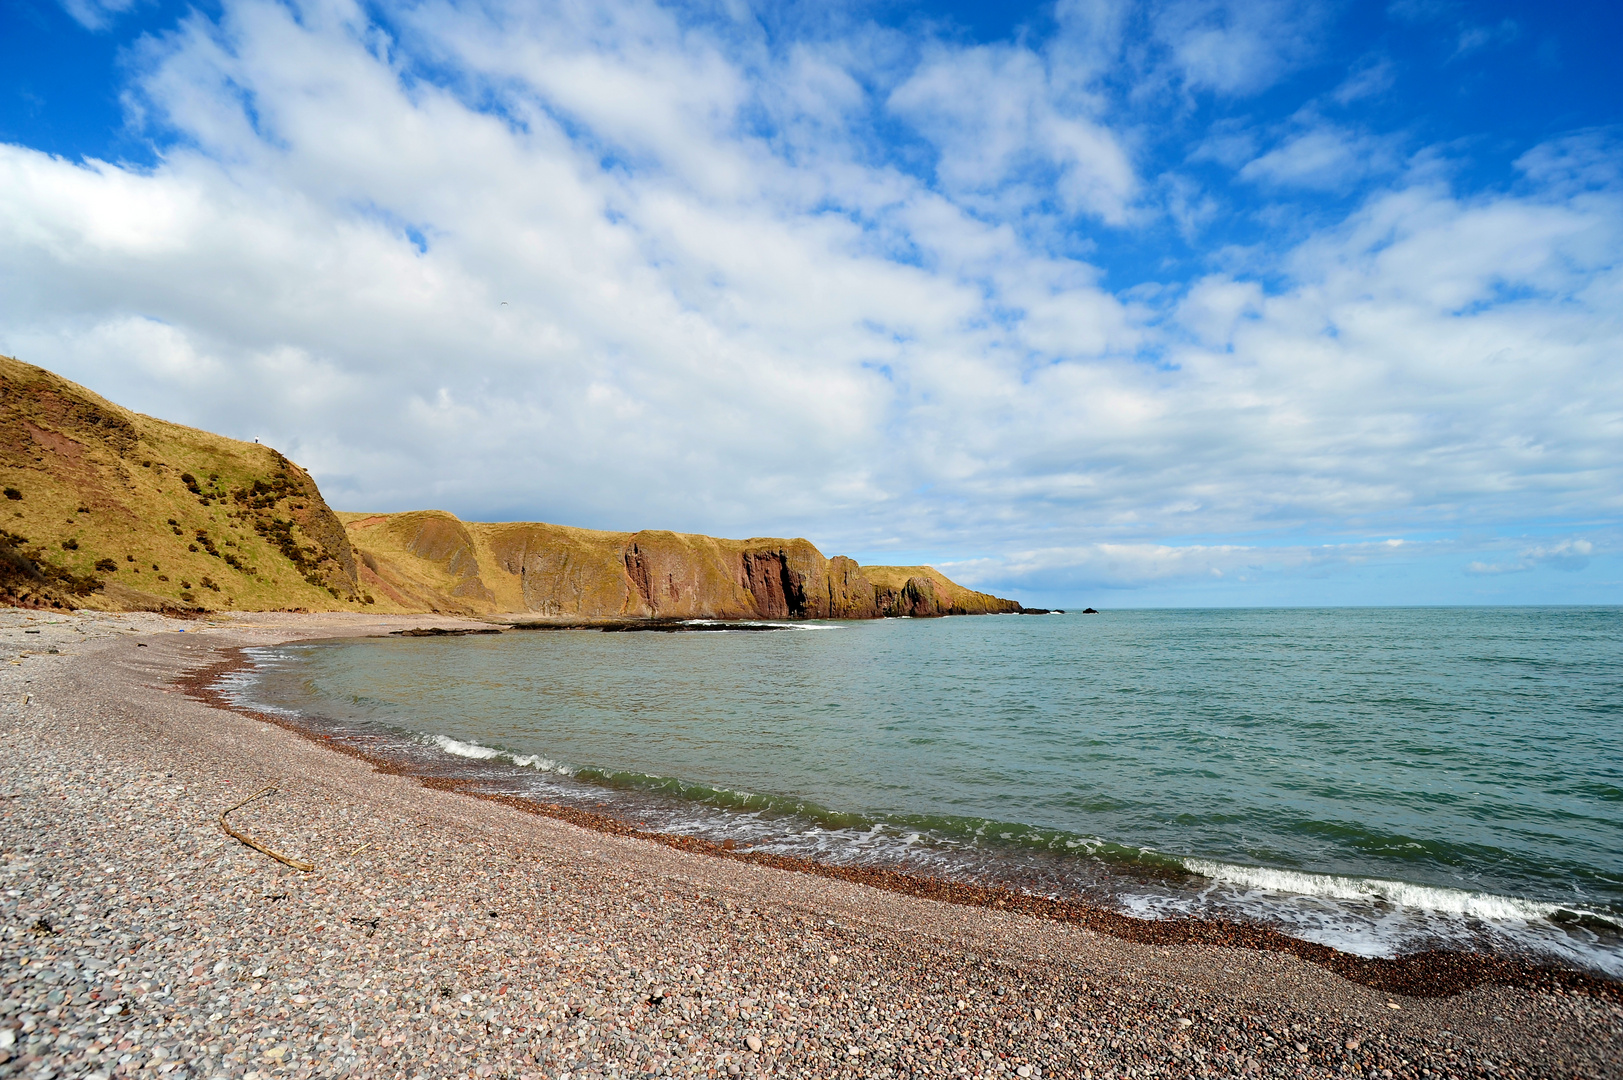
column 1431, row 898
column 479, row 752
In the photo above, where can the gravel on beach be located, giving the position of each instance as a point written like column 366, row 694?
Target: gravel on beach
column 442, row 935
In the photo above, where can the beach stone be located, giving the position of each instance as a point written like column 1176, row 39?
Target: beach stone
column 753, row 1043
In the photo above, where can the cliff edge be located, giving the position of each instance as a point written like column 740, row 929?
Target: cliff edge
column 428, row 559
column 106, row 508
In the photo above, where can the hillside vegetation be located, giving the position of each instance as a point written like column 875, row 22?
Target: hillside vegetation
column 105, row 508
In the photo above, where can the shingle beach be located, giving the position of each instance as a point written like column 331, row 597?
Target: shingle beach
column 444, row 935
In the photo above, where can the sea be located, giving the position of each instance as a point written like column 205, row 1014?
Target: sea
column 1383, row 781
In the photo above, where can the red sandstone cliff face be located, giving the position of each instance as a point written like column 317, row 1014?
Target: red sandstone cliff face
column 564, row 573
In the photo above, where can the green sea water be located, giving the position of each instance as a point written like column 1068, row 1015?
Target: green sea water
column 1378, row 779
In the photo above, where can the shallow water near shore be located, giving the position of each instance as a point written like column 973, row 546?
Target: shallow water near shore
column 1379, row 780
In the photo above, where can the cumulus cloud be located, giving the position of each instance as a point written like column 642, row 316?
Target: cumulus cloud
column 624, row 266
column 1003, row 138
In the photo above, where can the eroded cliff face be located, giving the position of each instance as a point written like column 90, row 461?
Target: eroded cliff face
column 924, row 591
column 103, row 507
column 430, row 558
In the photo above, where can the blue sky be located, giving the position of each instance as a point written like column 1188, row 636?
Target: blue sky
column 1117, row 303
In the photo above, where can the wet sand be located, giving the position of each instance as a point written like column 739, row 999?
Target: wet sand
column 441, row 934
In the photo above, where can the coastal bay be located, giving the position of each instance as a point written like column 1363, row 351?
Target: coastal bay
column 447, row 935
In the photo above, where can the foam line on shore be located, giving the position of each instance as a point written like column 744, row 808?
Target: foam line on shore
column 1424, row 974
column 1461, row 902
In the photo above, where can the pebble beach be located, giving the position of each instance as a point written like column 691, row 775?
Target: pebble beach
column 444, row 935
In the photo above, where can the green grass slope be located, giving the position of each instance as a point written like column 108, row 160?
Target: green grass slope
column 105, row 508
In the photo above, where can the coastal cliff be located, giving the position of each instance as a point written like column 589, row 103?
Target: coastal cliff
column 105, row 508
column 109, row 509
column 430, row 558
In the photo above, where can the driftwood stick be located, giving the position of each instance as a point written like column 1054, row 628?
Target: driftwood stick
column 255, row 844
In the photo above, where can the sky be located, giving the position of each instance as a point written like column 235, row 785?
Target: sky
column 1196, row 303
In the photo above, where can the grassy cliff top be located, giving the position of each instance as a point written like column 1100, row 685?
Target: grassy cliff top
column 106, row 508
column 112, row 509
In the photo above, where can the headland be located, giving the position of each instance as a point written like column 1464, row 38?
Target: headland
column 107, row 509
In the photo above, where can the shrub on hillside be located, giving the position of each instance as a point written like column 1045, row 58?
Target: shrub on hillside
column 13, row 494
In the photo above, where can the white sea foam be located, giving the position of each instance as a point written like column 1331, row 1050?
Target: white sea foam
column 1461, row 902
column 728, row 627
column 485, row 753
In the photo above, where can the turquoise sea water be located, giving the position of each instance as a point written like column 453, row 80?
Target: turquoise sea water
column 1380, row 780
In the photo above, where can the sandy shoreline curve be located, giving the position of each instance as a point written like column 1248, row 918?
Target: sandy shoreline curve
column 441, row 935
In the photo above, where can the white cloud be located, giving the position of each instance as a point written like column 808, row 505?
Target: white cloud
column 1230, row 142
column 727, row 312
column 1238, row 47
column 96, row 14
column 1576, row 163
column 1004, row 139
column 1473, row 38
column 1325, row 157
column 1568, row 556
column 1371, row 77
column 1134, row 565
